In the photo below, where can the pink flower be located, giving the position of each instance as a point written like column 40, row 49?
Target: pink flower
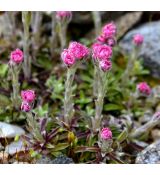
column 109, row 30
column 78, row 50
column 64, row 15
column 138, row 39
column 101, row 38
column 28, row 96
column 156, row 115
column 16, row 56
column 144, row 88
column 111, row 42
column 105, row 65
column 106, row 134
column 101, row 52
column 25, row 107
column 67, row 58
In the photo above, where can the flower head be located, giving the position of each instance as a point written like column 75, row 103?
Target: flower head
column 106, row 134
column 16, row 56
column 67, row 58
column 78, row 50
column 105, row 65
column 144, row 88
column 156, row 115
column 109, row 30
column 111, row 42
column 25, row 107
column 64, row 15
column 28, row 96
column 138, row 39
column 101, row 52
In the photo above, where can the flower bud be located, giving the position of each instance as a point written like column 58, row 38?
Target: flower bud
column 28, row 96
column 101, row 51
column 106, row 134
column 64, row 16
column 78, row 50
column 67, row 58
column 138, row 39
column 109, row 30
column 144, row 88
column 105, row 65
column 16, row 56
column 25, row 107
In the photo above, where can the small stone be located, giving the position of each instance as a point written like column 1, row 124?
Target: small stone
column 15, row 147
column 10, row 131
column 62, row 159
column 150, row 155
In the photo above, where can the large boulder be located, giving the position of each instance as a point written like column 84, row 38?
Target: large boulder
column 150, row 50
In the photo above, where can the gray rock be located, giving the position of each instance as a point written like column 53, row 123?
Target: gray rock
column 15, row 147
column 10, row 131
column 150, row 155
column 150, row 50
column 62, row 159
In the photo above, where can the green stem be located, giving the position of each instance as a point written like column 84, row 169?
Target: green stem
column 62, row 34
column 101, row 90
column 68, row 97
column 16, row 89
column 27, row 58
column 54, row 35
column 97, row 22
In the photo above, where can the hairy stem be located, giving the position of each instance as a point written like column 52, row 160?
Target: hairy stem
column 129, row 68
column 36, row 25
column 101, row 90
column 68, row 97
column 16, row 89
column 145, row 128
column 97, row 22
column 27, row 58
column 62, row 34
column 54, row 35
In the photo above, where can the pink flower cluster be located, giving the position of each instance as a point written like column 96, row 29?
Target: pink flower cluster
column 64, row 15
column 16, row 56
column 28, row 97
column 138, row 39
column 108, row 35
column 102, row 49
column 76, row 51
column 102, row 53
column 144, row 88
column 106, row 134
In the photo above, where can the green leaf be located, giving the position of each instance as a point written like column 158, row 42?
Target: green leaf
column 3, row 70
column 112, row 107
column 60, row 146
column 122, row 136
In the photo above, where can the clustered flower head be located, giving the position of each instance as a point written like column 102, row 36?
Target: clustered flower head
column 144, row 88
column 64, row 16
column 16, row 56
column 102, row 49
column 102, row 53
column 28, row 97
column 106, row 134
column 138, row 39
column 108, row 35
column 76, row 51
